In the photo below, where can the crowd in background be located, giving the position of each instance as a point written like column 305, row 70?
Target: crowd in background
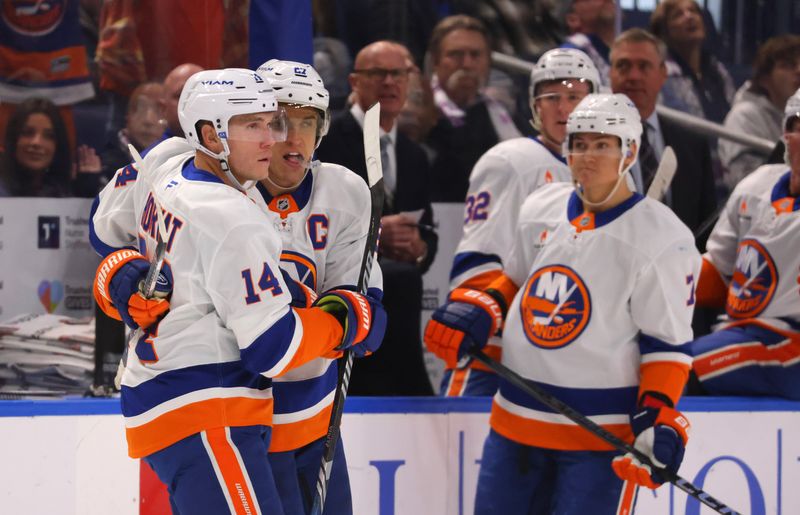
column 70, row 137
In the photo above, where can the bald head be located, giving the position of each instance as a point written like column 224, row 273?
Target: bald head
column 173, row 84
column 380, row 75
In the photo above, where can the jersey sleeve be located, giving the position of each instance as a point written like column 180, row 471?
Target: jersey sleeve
column 493, row 200
column 724, row 239
column 251, row 298
column 112, row 222
column 662, row 304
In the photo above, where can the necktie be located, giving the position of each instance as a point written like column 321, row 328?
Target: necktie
column 386, row 168
column 647, row 159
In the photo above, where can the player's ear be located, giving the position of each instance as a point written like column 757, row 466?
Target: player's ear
column 209, row 138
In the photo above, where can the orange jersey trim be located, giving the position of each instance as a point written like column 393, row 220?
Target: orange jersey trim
column 565, row 437
column 193, row 418
column 482, row 280
column 667, row 377
column 712, row 291
column 294, row 435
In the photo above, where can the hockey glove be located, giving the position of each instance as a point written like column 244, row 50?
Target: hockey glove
column 661, row 434
column 466, row 320
column 362, row 317
column 118, row 287
column 302, row 295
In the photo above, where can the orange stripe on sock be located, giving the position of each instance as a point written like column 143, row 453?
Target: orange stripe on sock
column 457, row 381
column 232, row 472
column 627, row 498
column 565, row 437
column 294, row 435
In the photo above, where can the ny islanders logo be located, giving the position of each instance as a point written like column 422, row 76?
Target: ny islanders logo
column 754, row 281
column 555, row 307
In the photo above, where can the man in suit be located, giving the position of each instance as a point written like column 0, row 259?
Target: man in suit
column 639, row 71
column 407, row 242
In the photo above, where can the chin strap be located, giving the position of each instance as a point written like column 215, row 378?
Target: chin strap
column 620, row 178
column 233, row 180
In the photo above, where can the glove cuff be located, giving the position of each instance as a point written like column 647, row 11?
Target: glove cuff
column 107, row 269
column 483, row 301
column 673, row 418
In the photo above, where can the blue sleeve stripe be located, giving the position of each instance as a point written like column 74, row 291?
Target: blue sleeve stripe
column 650, row 344
column 99, row 246
column 589, row 401
column 465, row 261
column 270, row 346
column 291, row 396
column 174, row 383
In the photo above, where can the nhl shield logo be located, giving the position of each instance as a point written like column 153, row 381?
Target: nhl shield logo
column 555, row 307
column 754, row 281
column 283, row 204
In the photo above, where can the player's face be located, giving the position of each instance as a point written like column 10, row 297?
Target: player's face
column 382, row 77
column 250, row 141
column 463, row 64
column 638, row 71
column 291, row 158
column 594, row 160
column 36, row 146
column 554, row 102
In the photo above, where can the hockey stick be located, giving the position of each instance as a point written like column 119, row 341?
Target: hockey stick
column 664, row 174
column 372, row 157
column 148, row 287
column 554, row 403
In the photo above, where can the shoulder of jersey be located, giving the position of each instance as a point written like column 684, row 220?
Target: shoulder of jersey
column 338, row 188
column 761, row 180
column 522, row 154
column 651, row 217
column 547, row 203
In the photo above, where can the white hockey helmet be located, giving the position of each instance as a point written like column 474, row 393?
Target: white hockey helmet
column 216, row 96
column 562, row 64
column 606, row 113
column 299, row 84
column 792, row 109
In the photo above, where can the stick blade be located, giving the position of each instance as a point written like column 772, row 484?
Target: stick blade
column 664, row 174
column 372, row 144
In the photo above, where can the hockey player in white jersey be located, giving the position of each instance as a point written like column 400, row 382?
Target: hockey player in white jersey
column 752, row 268
column 196, row 395
column 319, row 211
column 602, row 281
column 501, row 180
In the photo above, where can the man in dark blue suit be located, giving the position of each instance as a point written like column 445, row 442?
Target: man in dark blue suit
column 407, row 242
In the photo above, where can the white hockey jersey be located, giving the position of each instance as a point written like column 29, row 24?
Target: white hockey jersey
column 602, row 297
column 755, row 247
column 323, row 225
column 209, row 361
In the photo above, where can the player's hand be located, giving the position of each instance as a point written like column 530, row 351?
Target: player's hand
column 302, row 295
column 118, row 287
column 465, row 321
column 661, row 434
column 362, row 317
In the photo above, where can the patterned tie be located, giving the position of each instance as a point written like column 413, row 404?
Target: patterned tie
column 388, row 177
column 647, row 159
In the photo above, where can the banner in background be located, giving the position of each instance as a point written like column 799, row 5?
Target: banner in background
column 46, row 262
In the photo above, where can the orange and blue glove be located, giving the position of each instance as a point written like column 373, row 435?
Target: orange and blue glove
column 362, row 317
column 661, row 435
column 119, row 285
column 465, row 321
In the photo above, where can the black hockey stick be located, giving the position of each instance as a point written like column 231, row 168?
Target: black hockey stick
column 546, row 398
column 372, row 156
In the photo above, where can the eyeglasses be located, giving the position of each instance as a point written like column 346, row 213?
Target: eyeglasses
column 380, row 74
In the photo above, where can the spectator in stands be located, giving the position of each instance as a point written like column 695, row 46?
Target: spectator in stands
column 408, row 242
column 638, row 69
column 470, row 123
column 173, row 85
column 758, row 105
column 38, row 160
column 697, row 82
column 144, row 126
column 592, row 25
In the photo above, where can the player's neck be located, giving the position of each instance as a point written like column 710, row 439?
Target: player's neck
column 549, row 143
column 601, row 192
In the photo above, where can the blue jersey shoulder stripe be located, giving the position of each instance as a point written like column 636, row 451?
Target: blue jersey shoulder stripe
column 270, row 346
column 649, row 344
column 464, row 261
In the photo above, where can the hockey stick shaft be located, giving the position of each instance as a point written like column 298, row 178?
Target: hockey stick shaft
column 374, row 179
column 664, row 174
column 554, row 403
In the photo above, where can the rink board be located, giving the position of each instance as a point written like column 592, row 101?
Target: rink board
column 405, row 456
